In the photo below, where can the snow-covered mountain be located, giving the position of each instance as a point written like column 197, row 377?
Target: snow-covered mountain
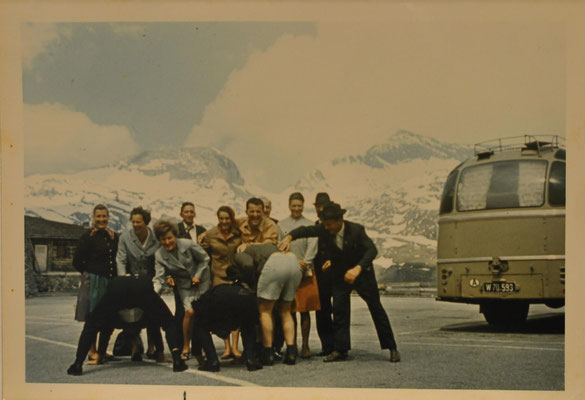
column 157, row 180
column 393, row 189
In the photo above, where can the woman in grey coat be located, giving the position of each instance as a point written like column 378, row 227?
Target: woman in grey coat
column 187, row 266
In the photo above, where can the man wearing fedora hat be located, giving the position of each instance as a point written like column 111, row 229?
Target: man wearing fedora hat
column 349, row 254
column 323, row 316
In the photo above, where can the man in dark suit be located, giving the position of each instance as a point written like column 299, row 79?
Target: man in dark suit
column 324, row 316
column 349, row 253
column 187, row 230
column 126, row 292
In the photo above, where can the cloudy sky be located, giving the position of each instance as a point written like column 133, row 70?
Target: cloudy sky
column 281, row 97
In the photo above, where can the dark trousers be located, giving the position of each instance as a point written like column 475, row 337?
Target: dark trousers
column 367, row 288
column 120, row 295
column 179, row 316
column 324, row 316
column 222, row 310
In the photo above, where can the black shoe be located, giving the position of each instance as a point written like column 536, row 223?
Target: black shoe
column 109, row 357
column 394, row 356
column 200, row 359
column 336, row 356
column 211, row 366
column 324, row 352
column 267, row 356
column 290, row 356
column 150, row 356
column 178, row 363
column 253, row 365
column 137, row 357
column 75, row 369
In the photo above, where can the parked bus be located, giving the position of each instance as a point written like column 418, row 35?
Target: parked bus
column 501, row 240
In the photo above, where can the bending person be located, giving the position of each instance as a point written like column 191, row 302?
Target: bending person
column 279, row 279
column 126, row 292
column 187, row 264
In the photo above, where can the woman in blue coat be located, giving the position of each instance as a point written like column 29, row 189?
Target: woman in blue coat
column 187, row 266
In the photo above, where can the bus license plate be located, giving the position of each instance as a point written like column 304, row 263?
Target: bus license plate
column 499, row 287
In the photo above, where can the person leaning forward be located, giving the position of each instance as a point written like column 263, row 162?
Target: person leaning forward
column 126, row 292
column 349, row 254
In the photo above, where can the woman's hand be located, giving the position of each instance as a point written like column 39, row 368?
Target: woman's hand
column 195, row 281
column 170, row 281
column 303, row 264
column 200, row 238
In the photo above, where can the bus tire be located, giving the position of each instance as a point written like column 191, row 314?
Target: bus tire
column 505, row 313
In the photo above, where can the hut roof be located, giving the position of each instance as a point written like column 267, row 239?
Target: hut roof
column 39, row 228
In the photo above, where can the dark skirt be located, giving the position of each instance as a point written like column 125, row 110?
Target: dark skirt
column 91, row 289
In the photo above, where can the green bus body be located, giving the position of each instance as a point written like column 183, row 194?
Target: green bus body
column 501, row 241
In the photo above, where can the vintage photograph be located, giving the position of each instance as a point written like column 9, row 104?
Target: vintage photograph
column 357, row 202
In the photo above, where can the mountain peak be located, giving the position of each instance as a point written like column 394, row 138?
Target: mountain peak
column 188, row 163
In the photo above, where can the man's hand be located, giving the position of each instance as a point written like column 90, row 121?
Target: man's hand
column 326, row 265
column 351, row 274
column 195, row 281
column 285, row 244
column 170, row 281
column 241, row 247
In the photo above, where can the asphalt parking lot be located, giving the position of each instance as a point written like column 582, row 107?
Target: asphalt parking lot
column 443, row 346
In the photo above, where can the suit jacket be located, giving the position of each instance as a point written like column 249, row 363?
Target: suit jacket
column 358, row 248
column 134, row 259
column 186, row 235
column 191, row 261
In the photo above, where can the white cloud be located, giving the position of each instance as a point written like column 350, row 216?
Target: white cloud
column 58, row 139
column 36, row 37
column 310, row 98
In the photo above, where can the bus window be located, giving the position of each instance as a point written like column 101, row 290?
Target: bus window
column 448, row 194
column 556, row 184
column 505, row 184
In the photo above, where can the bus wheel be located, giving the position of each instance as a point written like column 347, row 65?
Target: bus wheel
column 506, row 313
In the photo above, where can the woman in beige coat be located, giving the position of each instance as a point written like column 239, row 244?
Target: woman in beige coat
column 221, row 242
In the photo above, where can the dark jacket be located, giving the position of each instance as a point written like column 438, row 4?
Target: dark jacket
column 187, row 235
column 358, row 248
column 96, row 253
column 248, row 264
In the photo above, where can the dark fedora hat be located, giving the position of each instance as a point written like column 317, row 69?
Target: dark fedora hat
column 322, row 198
column 331, row 210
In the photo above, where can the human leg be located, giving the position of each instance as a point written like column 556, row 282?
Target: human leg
column 305, row 331
column 288, row 328
column 265, row 311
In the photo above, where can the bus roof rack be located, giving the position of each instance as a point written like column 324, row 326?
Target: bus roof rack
column 526, row 142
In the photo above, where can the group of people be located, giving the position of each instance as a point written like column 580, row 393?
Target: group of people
column 247, row 275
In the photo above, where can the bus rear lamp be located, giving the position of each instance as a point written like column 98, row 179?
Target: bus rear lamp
column 563, row 274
